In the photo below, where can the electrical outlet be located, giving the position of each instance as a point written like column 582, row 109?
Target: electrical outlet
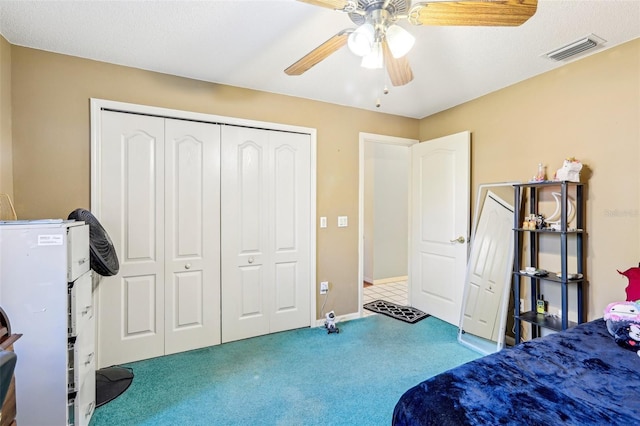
column 324, row 287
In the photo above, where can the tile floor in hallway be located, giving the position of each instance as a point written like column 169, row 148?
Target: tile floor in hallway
column 395, row 292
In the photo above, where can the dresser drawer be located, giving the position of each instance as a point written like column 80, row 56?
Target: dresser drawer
column 82, row 404
column 78, row 260
column 80, row 304
column 81, row 357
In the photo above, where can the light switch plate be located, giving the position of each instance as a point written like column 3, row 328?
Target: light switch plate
column 323, row 222
column 343, row 221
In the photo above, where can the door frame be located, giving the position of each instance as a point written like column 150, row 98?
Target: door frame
column 364, row 139
column 97, row 105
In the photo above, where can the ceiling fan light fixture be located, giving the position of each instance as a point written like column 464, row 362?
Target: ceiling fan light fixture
column 375, row 59
column 361, row 40
column 400, row 41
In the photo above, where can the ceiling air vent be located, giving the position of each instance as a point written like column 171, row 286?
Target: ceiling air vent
column 574, row 48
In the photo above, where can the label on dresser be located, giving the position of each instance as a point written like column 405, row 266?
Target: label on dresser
column 50, row 240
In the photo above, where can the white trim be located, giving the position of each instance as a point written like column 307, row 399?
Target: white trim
column 365, row 138
column 341, row 318
column 390, row 280
column 96, row 105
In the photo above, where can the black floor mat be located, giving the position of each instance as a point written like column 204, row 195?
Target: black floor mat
column 403, row 313
column 111, row 382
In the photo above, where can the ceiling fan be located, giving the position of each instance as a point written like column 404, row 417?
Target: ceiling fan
column 382, row 43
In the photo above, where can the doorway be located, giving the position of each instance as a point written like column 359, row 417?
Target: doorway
column 383, row 219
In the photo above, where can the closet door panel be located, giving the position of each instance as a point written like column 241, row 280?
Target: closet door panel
column 290, row 177
column 139, row 295
column 131, row 304
column 245, row 218
column 192, row 241
column 265, row 232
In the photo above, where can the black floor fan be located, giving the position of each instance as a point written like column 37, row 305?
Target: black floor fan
column 112, row 381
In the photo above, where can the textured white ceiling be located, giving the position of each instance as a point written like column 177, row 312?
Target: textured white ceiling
column 249, row 43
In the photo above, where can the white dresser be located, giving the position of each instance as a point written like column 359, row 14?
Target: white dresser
column 45, row 288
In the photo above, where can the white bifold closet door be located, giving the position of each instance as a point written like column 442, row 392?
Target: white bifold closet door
column 159, row 200
column 265, row 231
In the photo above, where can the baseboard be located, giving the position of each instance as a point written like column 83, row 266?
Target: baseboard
column 390, row 280
column 339, row 318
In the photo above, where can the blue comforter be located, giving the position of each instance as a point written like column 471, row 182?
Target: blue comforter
column 577, row 377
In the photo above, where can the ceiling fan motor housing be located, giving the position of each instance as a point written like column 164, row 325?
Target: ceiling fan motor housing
column 393, row 9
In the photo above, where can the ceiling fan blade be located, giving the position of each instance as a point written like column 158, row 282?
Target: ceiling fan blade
column 331, row 4
column 398, row 68
column 319, row 53
column 473, row 13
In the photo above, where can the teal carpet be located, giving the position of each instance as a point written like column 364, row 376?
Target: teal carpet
column 300, row 377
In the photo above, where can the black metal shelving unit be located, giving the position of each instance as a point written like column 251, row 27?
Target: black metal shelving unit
column 530, row 191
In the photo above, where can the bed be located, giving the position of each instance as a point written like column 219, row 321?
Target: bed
column 578, row 377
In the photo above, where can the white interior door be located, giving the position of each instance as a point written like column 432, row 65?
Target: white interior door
column 439, row 225
column 265, row 232
column 192, row 235
column 489, row 268
column 131, row 187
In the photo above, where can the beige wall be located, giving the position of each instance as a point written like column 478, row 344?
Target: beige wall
column 52, row 147
column 6, row 166
column 589, row 109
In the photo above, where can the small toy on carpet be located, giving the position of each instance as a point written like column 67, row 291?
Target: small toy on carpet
column 330, row 323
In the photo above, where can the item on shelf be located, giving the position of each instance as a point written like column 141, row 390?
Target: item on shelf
column 533, row 222
column 570, row 170
column 554, row 220
column 541, row 305
column 534, row 272
column 541, row 175
column 570, row 276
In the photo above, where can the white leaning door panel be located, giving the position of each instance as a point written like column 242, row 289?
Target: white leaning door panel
column 489, row 269
column 192, row 239
column 290, row 178
column 131, row 209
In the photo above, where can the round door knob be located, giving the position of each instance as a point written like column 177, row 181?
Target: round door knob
column 187, row 266
column 460, row 240
column 251, row 259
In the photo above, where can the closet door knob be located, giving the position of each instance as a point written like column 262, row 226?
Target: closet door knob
column 187, row 266
column 460, row 240
column 251, row 259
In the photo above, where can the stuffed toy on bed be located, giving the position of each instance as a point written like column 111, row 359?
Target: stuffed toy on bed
column 628, row 336
column 623, row 323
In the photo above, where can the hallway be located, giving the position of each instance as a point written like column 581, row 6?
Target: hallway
column 395, row 292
